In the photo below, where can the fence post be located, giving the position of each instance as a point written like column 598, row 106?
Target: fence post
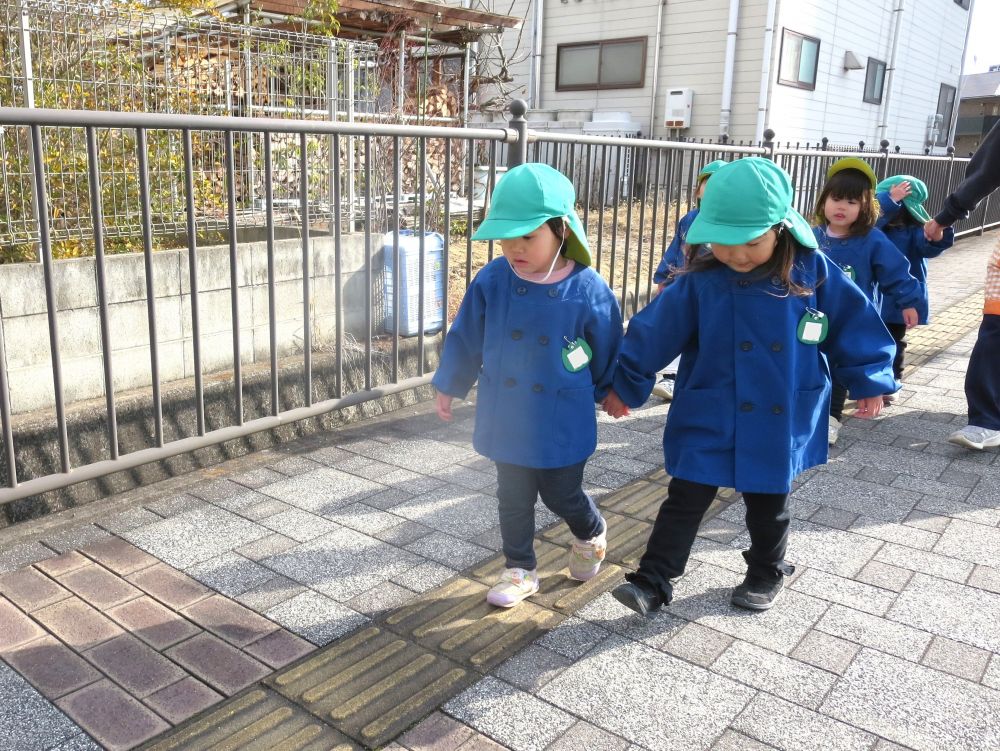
column 517, row 152
column 884, row 148
column 27, row 72
column 769, row 143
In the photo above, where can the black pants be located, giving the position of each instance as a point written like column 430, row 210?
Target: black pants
column 898, row 331
column 838, row 396
column 676, row 525
column 982, row 379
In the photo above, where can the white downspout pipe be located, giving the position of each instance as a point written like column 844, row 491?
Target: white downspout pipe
column 897, row 23
column 537, row 15
column 726, row 111
column 656, row 67
column 765, row 71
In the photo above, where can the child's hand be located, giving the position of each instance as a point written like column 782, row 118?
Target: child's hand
column 444, row 406
column 869, row 407
column 933, row 231
column 910, row 317
column 614, row 406
column 659, row 288
column 899, row 191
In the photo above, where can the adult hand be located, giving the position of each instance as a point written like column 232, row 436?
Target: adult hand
column 910, row 317
column 444, row 406
column 899, row 191
column 933, row 231
column 869, row 407
column 614, row 406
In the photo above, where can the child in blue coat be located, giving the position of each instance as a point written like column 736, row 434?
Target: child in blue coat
column 759, row 324
column 674, row 258
column 540, row 331
column 905, row 229
column 846, row 213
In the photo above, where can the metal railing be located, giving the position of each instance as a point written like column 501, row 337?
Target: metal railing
column 631, row 193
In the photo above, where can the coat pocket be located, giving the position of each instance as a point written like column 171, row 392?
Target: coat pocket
column 703, row 418
column 809, row 410
column 575, row 417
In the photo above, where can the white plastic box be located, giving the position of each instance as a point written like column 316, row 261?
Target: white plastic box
column 409, row 282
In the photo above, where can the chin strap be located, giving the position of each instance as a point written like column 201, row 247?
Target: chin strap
column 552, row 265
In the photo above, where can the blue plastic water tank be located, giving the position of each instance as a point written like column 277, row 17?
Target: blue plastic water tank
column 409, row 282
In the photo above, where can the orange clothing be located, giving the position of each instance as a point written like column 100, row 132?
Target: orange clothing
column 992, row 305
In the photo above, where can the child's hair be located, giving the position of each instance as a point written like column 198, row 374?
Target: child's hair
column 559, row 228
column 854, row 185
column 904, row 218
column 780, row 264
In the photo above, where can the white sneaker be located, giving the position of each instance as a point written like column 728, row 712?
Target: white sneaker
column 833, row 432
column 585, row 556
column 975, row 437
column 664, row 389
column 514, row 585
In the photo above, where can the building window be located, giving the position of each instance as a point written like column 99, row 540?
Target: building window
column 963, row 3
column 799, row 60
column 945, row 109
column 874, row 81
column 610, row 64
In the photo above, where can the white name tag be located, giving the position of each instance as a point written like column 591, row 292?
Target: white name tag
column 578, row 358
column 812, row 331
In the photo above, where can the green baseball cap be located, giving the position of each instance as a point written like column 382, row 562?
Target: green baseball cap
column 525, row 198
column 743, row 200
column 852, row 162
column 914, row 202
column 711, row 168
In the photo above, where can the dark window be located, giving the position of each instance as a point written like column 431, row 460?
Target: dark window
column 799, row 60
column 610, row 64
column 963, row 3
column 945, row 109
column 874, row 81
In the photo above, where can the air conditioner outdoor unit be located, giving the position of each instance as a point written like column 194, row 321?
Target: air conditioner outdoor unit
column 678, row 110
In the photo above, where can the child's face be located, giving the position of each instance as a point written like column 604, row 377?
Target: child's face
column 841, row 213
column 749, row 255
column 532, row 254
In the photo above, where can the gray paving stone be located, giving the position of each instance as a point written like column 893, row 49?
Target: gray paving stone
column 230, row 574
column 957, row 659
column 503, row 712
column 274, row 591
column 342, row 563
column 299, row 525
column 452, row 510
column 916, row 706
column 833, row 517
column 774, row 673
column 790, row 727
column 984, row 577
column 859, row 497
column 217, row 490
column 733, row 741
column 885, row 576
column 363, row 518
column 380, row 600
column 987, row 491
column 698, row 644
column 323, row 490
column 872, row 631
column 28, row 722
column 403, row 534
column 532, row 668
column 266, row 546
column 847, row 592
column 799, row 508
column 931, row 487
column 424, row 576
column 491, row 538
column 78, row 743
column 449, row 550
column 420, row 454
column 827, row 652
column 992, row 675
column 465, row 477
column 195, row 536
column 926, row 521
column 573, row 638
column 294, row 466
column 913, row 463
column 128, row 519
column 703, row 595
column 18, row 556
column 954, row 611
column 971, row 542
column 832, row 550
column 175, row 504
column 257, row 477
column 75, row 537
column 901, row 534
column 586, row 737
column 316, row 617
column 611, row 615
column 924, row 562
column 609, row 683
column 724, row 556
column 959, row 510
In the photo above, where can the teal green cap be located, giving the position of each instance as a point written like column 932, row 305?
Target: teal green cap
column 914, row 203
column 525, row 198
column 743, row 200
column 711, row 168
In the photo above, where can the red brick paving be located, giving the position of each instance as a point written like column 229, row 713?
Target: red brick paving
column 121, row 642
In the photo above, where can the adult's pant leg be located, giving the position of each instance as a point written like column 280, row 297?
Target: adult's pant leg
column 982, row 379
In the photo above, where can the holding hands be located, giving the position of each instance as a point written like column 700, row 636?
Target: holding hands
column 869, row 407
column 614, row 406
column 933, row 231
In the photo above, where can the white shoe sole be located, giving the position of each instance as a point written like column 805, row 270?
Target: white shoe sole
column 961, row 440
column 494, row 599
column 586, row 576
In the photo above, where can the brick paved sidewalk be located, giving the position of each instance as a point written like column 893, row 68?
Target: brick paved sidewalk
column 171, row 598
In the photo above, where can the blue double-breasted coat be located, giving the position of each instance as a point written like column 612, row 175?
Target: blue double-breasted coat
column 509, row 334
column 751, row 401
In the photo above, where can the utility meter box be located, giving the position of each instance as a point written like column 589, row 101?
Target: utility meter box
column 678, row 110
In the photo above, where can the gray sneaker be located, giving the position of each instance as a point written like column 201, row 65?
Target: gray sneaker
column 975, row 437
column 664, row 389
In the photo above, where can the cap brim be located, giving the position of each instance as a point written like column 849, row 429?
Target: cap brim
column 918, row 212
column 577, row 246
column 703, row 231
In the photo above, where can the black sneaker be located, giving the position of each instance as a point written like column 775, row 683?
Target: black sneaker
column 636, row 597
column 757, row 592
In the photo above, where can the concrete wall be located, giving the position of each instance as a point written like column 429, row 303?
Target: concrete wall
column 25, row 323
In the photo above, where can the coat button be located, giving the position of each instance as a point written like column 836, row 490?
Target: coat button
column 776, row 281
column 776, row 346
column 744, row 283
column 746, row 346
column 776, row 409
column 522, row 290
column 516, row 334
column 746, row 407
column 538, row 388
column 543, row 339
column 509, row 382
column 553, row 292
